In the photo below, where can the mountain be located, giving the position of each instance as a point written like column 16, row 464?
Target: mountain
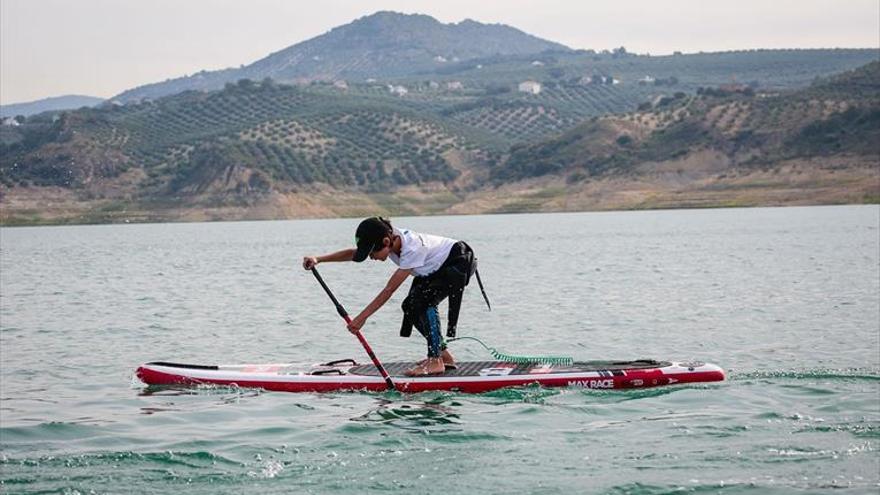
column 585, row 141
column 382, row 45
column 67, row 102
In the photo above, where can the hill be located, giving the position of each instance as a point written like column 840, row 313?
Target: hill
column 391, row 48
column 383, row 45
column 237, row 145
column 58, row 103
column 837, row 115
column 269, row 150
column 724, row 138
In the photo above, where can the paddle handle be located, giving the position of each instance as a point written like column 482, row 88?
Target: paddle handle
column 339, row 309
column 344, row 314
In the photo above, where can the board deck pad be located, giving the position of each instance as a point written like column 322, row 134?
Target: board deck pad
column 504, row 368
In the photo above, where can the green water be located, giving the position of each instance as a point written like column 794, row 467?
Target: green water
column 787, row 300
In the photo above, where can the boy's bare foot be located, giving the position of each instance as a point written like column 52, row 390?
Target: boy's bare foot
column 446, row 356
column 430, row 366
column 448, row 359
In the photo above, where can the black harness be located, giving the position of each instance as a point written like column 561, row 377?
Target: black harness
column 449, row 280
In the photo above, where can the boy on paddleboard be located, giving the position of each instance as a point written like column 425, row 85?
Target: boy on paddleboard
column 441, row 268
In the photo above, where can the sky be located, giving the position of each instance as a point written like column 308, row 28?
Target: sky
column 103, row 47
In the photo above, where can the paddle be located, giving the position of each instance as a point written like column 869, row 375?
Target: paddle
column 344, row 314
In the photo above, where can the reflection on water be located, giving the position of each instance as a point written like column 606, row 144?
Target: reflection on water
column 201, row 389
column 226, row 394
column 413, row 415
column 154, row 410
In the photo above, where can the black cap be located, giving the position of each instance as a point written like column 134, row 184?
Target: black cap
column 368, row 237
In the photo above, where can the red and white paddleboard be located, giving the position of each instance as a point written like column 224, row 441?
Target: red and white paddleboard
column 468, row 377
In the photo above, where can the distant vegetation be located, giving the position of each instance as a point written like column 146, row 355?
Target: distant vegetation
column 365, row 137
column 293, row 136
column 833, row 116
column 765, row 69
column 855, row 130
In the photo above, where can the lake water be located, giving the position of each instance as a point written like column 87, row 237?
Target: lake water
column 787, row 300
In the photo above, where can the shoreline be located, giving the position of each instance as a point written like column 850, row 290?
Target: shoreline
column 202, row 216
column 800, row 183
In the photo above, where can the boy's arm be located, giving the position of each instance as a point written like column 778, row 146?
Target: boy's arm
column 394, row 282
column 341, row 255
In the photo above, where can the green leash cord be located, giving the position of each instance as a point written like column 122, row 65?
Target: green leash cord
column 518, row 359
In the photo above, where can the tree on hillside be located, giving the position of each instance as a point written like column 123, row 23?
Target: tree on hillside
column 266, row 84
column 556, row 73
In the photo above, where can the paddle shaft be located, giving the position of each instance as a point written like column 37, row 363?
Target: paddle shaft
column 344, row 314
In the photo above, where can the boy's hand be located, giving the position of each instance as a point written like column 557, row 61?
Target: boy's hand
column 356, row 324
column 309, row 262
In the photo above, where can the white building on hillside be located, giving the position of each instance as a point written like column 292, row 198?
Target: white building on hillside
column 587, row 80
column 397, row 90
column 532, row 87
column 454, row 85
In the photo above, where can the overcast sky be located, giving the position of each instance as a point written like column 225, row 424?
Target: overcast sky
column 103, row 47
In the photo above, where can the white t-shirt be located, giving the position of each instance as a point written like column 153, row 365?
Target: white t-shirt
column 421, row 253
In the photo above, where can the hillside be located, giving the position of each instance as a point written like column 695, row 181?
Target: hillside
column 833, row 116
column 267, row 150
column 355, row 136
column 58, row 103
column 724, row 146
column 280, row 133
column 384, row 45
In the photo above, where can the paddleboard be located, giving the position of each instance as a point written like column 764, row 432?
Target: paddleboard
column 467, row 377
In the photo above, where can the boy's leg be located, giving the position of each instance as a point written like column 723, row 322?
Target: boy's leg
column 424, row 293
column 428, row 324
column 432, row 320
column 420, row 311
